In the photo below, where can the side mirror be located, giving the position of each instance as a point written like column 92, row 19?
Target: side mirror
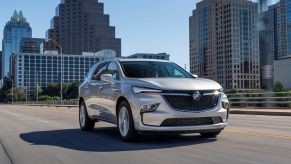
column 107, row 78
column 195, row 76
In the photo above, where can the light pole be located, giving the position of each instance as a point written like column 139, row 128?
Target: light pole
column 11, row 77
column 61, row 48
column 26, row 88
column 36, row 86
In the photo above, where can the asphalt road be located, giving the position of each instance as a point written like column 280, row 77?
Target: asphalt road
column 32, row 135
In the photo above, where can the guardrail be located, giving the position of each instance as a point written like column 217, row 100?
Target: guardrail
column 261, row 100
column 244, row 100
column 48, row 103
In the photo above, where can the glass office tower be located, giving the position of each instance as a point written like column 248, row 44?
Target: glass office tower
column 224, row 43
column 14, row 31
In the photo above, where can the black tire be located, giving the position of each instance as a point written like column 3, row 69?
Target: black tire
column 210, row 134
column 132, row 134
column 88, row 123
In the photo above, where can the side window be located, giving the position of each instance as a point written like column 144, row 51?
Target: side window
column 99, row 71
column 113, row 70
column 91, row 71
column 178, row 73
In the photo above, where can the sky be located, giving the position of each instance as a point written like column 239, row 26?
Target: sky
column 145, row 26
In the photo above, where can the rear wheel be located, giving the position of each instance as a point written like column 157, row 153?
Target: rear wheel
column 210, row 134
column 125, row 123
column 86, row 123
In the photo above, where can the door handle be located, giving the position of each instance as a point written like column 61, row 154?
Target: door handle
column 115, row 89
column 101, row 88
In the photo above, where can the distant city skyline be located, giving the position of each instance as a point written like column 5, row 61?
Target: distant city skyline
column 81, row 26
column 148, row 26
column 224, row 49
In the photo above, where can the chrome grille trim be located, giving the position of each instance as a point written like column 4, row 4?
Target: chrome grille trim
column 176, row 94
column 172, row 103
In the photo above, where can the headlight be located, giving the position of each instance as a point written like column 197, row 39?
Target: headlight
column 225, row 105
column 149, row 108
column 137, row 90
column 220, row 90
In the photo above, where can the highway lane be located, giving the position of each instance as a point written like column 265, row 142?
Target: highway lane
column 43, row 135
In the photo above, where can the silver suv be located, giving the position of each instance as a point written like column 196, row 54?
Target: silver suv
column 151, row 96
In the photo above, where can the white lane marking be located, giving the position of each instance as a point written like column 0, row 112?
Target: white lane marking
column 43, row 121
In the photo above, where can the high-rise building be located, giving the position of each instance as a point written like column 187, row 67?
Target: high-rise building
column 31, row 69
column 31, row 45
column 14, row 31
column 263, row 5
column 0, row 65
column 283, row 29
column 282, row 69
column 81, row 26
column 275, row 39
column 224, row 43
column 159, row 56
column 270, row 43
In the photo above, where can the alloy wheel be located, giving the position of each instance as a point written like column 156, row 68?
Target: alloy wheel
column 123, row 121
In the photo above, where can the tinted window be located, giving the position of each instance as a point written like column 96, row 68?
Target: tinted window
column 101, row 68
column 91, row 70
column 153, row 69
column 112, row 69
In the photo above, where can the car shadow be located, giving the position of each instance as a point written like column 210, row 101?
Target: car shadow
column 107, row 140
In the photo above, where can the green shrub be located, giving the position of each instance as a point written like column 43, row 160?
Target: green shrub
column 55, row 98
column 45, row 98
column 278, row 87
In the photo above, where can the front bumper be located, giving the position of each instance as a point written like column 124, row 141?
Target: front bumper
column 152, row 121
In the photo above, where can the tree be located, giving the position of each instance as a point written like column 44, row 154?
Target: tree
column 72, row 91
column 51, row 90
column 18, row 94
column 4, row 90
column 278, row 87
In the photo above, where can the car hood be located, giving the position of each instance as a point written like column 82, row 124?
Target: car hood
column 181, row 83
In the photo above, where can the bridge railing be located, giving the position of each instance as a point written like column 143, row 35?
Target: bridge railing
column 244, row 100
column 73, row 102
column 261, row 100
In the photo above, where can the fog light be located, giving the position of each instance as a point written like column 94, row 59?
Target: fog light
column 149, row 108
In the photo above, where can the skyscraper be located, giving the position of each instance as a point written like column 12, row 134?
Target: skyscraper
column 224, row 43
column 0, row 65
column 14, row 31
column 263, row 5
column 270, row 43
column 284, row 30
column 31, row 45
column 81, row 26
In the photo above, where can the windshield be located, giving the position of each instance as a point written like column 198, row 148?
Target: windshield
column 153, row 69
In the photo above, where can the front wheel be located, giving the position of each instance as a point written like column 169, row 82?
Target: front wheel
column 210, row 134
column 125, row 123
column 86, row 123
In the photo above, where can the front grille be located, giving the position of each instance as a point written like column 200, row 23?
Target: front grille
column 183, row 100
column 191, row 121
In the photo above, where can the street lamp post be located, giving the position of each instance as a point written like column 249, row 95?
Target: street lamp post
column 61, row 48
column 11, row 77
column 37, row 86
column 26, row 94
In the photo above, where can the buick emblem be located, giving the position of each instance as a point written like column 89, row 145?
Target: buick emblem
column 196, row 95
